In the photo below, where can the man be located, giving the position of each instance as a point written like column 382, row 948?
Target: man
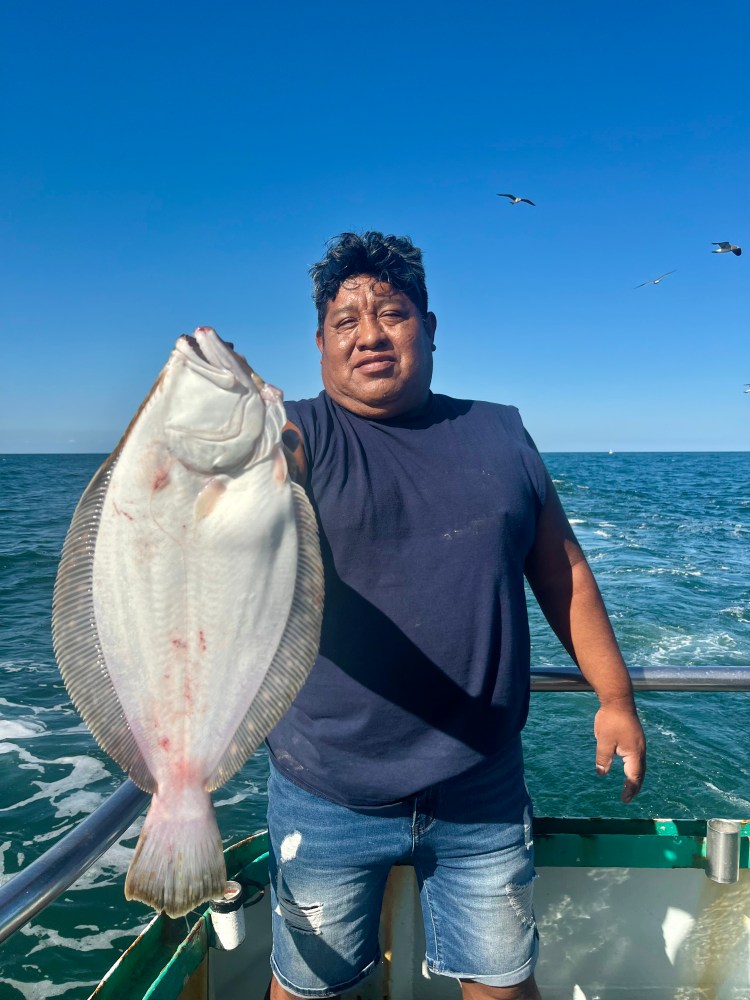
column 404, row 744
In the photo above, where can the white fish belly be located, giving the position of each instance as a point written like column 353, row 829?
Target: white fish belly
column 193, row 583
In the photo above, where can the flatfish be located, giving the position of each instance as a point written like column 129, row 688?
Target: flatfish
column 187, row 606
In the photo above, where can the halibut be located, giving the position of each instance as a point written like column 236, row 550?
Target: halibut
column 188, row 602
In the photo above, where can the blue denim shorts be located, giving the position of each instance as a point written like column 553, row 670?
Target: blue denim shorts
column 470, row 842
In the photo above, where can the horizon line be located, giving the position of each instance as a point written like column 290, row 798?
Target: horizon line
column 542, row 451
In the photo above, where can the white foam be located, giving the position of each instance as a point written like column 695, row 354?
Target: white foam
column 51, row 938
column 14, row 730
column 46, row 989
column 664, row 731
column 736, row 800
column 686, row 649
column 3, row 848
column 110, row 867
column 672, row 571
column 234, row 800
column 38, row 709
column 10, row 704
column 29, row 760
column 742, row 614
column 85, row 771
column 79, row 803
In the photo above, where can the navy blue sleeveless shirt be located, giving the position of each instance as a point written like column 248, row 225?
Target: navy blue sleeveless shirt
column 425, row 526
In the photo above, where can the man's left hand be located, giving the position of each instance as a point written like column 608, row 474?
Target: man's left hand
column 618, row 730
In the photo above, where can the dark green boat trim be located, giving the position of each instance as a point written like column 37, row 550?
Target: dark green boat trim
column 626, row 843
column 161, row 960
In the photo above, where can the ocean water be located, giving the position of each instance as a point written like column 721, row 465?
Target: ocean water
column 668, row 538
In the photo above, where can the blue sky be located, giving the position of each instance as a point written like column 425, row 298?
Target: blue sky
column 169, row 166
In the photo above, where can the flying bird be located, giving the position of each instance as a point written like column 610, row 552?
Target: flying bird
column 727, row 248
column 514, row 200
column 654, row 281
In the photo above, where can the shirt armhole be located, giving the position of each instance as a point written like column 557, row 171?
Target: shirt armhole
column 535, row 467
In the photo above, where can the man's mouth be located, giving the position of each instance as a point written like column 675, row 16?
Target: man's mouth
column 376, row 364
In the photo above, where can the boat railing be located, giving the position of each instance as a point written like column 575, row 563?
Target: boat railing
column 35, row 887
column 649, row 679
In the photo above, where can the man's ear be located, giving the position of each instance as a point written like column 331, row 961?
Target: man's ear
column 430, row 322
column 319, row 339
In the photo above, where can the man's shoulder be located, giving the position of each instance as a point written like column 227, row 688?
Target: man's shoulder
column 303, row 408
column 478, row 409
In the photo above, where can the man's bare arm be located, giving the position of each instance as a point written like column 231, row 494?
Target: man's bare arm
column 567, row 592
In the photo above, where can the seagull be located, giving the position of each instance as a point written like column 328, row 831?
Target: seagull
column 514, row 200
column 727, row 248
column 654, row 281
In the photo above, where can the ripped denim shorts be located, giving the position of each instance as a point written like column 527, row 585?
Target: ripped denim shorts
column 469, row 840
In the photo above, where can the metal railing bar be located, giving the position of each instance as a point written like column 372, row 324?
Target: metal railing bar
column 569, row 678
column 28, row 892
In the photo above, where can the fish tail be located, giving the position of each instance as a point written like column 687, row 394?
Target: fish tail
column 178, row 861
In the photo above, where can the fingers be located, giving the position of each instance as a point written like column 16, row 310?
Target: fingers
column 620, row 734
column 634, row 765
column 604, row 756
column 629, row 790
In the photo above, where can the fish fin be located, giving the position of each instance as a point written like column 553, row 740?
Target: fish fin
column 75, row 638
column 296, row 652
column 179, row 860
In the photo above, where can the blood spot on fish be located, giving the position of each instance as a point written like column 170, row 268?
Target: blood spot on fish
column 160, row 480
column 164, row 743
column 179, row 643
column 122, row 513
column 202, row 641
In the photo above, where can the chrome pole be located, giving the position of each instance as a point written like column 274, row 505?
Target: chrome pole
column 28, row 892
column 569, row 678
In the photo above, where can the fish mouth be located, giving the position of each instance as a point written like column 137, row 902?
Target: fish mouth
column 206, row 353
column 194, row 346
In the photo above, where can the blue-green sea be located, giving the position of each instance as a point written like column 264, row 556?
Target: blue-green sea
column 668, row 536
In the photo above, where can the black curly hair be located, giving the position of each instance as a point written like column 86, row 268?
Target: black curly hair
column 394, row 259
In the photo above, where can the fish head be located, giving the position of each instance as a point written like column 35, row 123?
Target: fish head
column 218, row 413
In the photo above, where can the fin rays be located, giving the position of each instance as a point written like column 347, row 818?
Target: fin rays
column 76, row 641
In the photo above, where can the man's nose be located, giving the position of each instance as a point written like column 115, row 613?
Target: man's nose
column 369, row 332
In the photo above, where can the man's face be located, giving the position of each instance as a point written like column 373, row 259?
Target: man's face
column 376, row 349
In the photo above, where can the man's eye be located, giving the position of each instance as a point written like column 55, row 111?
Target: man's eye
column 393, row 315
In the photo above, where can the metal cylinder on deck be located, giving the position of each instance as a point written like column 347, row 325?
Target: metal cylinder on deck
column 723, row 850
column 228, row 917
